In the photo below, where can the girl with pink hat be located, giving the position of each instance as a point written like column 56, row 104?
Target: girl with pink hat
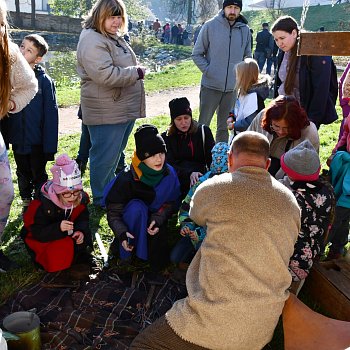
column 56, row 225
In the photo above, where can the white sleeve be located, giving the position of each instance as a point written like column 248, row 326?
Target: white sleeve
column 23, row 81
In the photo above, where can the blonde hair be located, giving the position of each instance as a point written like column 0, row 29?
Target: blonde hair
column 101, row 11
column 247, row 74
column 5, row 63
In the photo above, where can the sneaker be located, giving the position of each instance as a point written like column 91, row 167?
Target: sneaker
column 6, row 264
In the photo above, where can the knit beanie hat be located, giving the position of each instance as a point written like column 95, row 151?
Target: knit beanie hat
column 148, row 141
column 66, row 175
column 179, row 106
column 232, row 2
column 301, row 163
column 219, row 158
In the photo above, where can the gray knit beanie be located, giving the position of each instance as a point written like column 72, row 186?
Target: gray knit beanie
column 302, row 162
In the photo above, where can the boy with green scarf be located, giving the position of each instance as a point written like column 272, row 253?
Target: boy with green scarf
column 142, row 199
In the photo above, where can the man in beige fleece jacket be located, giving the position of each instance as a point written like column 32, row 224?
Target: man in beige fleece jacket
column 237, row 282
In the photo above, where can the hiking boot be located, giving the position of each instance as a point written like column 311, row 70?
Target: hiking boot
column 6, row 264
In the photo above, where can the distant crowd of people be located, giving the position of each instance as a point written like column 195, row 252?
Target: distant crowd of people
column 168, row 33
column 171, row 34
column 253, row 208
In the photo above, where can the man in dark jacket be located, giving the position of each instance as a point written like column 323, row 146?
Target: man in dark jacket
column 174, row 33
column 223, row 41
column 264, row 48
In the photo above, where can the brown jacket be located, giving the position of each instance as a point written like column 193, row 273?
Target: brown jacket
column 110, row 90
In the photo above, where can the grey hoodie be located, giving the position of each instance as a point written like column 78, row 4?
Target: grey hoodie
column 219, row 48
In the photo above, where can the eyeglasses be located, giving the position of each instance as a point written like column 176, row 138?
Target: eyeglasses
column 275, row 127
column 70, row 194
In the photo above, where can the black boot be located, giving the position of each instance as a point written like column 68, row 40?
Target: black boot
column 6, row 264
column 81, row 165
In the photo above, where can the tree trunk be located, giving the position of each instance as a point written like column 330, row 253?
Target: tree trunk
column 33, row 15
column 18, row 19
column 88, row 5
column 189, row 11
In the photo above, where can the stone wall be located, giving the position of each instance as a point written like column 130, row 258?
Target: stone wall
column 57, row 41
column 50, row 23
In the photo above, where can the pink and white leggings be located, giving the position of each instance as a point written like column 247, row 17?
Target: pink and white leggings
column 6, row 187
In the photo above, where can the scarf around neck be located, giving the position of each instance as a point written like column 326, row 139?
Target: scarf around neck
column 145, row 174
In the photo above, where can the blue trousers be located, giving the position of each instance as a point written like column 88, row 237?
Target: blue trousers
column 147, row 247
column 107, row 143
column 183, row 251
column 261, row 58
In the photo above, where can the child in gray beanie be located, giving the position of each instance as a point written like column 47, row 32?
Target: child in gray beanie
column 316, row 201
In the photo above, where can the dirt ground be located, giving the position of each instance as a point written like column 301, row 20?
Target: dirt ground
column 156, row 104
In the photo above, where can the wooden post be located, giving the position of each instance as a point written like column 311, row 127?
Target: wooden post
column 324, row 44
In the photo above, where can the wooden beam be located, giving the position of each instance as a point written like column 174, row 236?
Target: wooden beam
column 324, row 44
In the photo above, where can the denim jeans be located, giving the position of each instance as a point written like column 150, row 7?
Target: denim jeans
column 261, row 58
column 107, row 143
column 183, row 251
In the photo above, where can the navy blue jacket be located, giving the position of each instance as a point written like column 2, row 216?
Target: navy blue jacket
column 318, row 90
column 37, row 123
column 263, row 40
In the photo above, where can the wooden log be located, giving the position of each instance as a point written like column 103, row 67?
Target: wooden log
column 324, row 44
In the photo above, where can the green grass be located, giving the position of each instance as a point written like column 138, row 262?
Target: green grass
column 68, row 96
column 334, row 18
column 173, row 76
column 182, row 74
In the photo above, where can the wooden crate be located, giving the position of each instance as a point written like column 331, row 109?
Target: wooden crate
column 329, row 285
